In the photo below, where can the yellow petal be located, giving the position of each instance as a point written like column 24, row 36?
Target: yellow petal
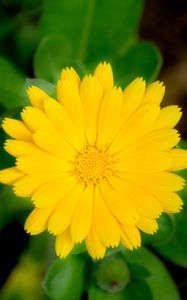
column 53, row 144
column 69, row 97
column 110, row 110
column 142, row 200
column 25, row 186
column 168, row 118
column 18, row 147
column 119, row 206
column 145, row 163
column 71, row 74
column 106, row 226
column 159, row 140
column 37, row 220
column 82, row 218
column 147, row 225
column 93, row 245
column 64, row 244
column 36, row 96
column 53, row 191
column 35, row 119
column 104, row 74
column 62, row 123
column 10, row 175
column 179, row 157
column 171, row 202
column 144, row 118
column 154, row 93
column 91, row 94
column 63, row 213
column 42, row 164
column 133, row 95
column 16, row 129
column 130, row 237
column 164, row 181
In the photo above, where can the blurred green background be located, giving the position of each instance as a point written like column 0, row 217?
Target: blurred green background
column 140, row 38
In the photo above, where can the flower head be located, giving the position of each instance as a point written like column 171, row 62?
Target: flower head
column 97, row 163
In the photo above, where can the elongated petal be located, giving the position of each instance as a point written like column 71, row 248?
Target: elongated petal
column 71, row 74
column 93, row 244
column 104, row 74
column 179, row 157
column 35, row 119
column 130, row 237
column 10, row 175
column 110, row 110
column 53, row 191
column 154, row 93
column 106, row 226
column 37, row 220
column 64, row 244
column 83, row 212
column 147, row 225
column 164, row 181
column 37, row 96
column 63, row 213
column 62, row 122
column 16, row 129
column 70, row 99
column 171, row 202
column 18, row 147
column 91, row 94
column 145, row 163
column 42, row 164
column 119, row 206
column 144, row 118
column 53, row 144
column 168, row 118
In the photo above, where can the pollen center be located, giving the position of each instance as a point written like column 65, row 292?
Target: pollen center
column 92, row 165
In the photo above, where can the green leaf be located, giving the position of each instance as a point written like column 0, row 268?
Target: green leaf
column 94, row 293
column 175, row 249
column 160, row 282
column 140, row 60
column 53, row 54
column 46, row 86
column 138, row 289
column 138, row 272
column 95, row 29
column 10, row 85
column 65, row 278
column 79, row 248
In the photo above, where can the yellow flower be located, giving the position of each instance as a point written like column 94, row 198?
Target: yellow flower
column 98, row 163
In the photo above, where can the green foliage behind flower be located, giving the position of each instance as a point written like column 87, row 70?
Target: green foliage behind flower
column 37, row 39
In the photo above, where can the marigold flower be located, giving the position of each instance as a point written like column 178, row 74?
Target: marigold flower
column 98, row 163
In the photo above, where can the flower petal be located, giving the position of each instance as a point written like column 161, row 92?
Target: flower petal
column 64, row 244
column 82, row 217
column 63, row 213
column 171, row 202
column 104, row 74
column 179, row 157
column 91, row 94
column 168, row 118
column 16, row 129
column 71, row 74
column 130, row 237
column 18, row 147
column 110, row 109
column 93, row 244
column 36, row 96
column 37, row 220
column 106, row 226
column 52, row 192
column 10, row 175
column 154, row 93
column 147, row 225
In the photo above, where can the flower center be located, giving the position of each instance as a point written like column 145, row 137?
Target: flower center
column 92, row 165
